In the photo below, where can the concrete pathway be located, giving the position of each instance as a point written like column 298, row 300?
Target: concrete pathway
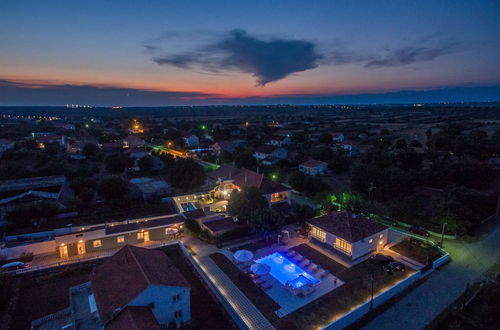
column 422, row 305
column 252, row 317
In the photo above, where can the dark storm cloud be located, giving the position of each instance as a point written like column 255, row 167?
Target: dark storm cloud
column 409, row 55
column 16, row 93
column 267, row 60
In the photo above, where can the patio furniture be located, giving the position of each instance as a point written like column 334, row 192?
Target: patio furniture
column 291, row 253
column 260, row 269
column 243, row 255
column 304, row 263
column 259, row 280
column 266, row 285
column 313, row 267
column 324, row 273
column 298, row 257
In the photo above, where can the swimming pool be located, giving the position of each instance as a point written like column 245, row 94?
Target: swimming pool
column 285, row 270
column 188, row 207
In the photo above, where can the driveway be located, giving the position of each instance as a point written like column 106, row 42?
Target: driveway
column 427, row 301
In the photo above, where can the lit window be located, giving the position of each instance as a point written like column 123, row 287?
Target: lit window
column 370, row 241
column 140, row 235
column 97, row 243
column 381, row 235
column 343, row 245
column 318, row 234
column 120, row 239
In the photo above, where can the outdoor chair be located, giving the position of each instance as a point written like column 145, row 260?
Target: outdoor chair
column 259, row 280
column 324, row 273
column 313, row 267
column 266, row 285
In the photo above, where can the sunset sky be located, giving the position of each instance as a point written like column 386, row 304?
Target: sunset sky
column 203, row 52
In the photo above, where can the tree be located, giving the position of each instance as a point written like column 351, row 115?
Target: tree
column 243, row 203
column 91, row 151
column 117, row 163
column 265, row 221
column 400, row 144
column 186, row 173
column 325, row 138
column 296, row 180
column 339, row 161
column 145, row 164
column 113, row 189
column 246, row 160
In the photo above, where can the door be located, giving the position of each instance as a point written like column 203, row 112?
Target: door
column 81, row 247
column 63, row 251
column 146, row 236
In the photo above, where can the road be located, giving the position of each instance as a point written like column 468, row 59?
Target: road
column 418, row 308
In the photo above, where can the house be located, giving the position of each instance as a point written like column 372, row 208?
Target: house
column 64, row 125
column 223, row 146
column 30, row 191
column 112, row 146
column 279, row 141
column 224, row 173
column 350, row 235
column 350, row 146
column 5, row 145
column 273, row 192
column 136, row 288
column 190, row 140
column 48, row 138
column 149, row 188
column 104, row 237
column 313, row 167
column 264, row 151
column 337, row 136
column 133, row 141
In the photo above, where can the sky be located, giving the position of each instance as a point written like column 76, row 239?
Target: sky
column 247, row 52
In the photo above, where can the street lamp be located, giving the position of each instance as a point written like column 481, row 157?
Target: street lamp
column 442, row 234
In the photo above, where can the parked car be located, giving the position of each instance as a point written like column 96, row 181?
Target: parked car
column 395, row 266
column 14, row 266
column 380, row 258
column 419, row 231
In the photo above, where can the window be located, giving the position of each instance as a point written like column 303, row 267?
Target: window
column 370, row 241
column 319, row 234
column 178, row 314
column 97, row 243
column 140, row 235
column 343, row 245
column 176, row 298
column 120, row 239
column 381, row 235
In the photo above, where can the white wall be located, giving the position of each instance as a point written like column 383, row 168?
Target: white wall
column 364, row 246
column 164, row 307
column 35, row 248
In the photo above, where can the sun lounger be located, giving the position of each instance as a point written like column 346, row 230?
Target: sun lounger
column 324, row 273
column 266, row 285
column 259, row 280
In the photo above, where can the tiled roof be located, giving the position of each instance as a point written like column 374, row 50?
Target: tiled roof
column 313, row 163
column 346, row 226
column 127, row 273
column 144, row 224
column 134, row 318
column 247, row 178
column 224, row 172
column 265, row 149
column 221, row 225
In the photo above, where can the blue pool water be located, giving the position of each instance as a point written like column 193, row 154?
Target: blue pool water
column 188, row 207
column 285, row 270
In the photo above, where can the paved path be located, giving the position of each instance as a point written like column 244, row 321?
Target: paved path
column 240, row 303
column 418, row 308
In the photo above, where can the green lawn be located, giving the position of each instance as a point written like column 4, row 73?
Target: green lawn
column 259, row 298
column 355, row 291
column 417, row 250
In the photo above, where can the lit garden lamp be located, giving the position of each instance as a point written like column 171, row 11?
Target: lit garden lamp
column 274, row 176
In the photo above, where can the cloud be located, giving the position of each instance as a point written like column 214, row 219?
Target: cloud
column 267, row 60
column 409, row 55
column 43, row 93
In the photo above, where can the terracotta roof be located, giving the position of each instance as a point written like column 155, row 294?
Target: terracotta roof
column 247, row 178
column 127, row 273
column 225, row 172
column 134, row 318
column 144, row 224
column 221, row 225
column 313, row 163
column 194, row 214
column 346, row 226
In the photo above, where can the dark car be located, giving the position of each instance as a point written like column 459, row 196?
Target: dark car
column 14, row 266
column 380, row 258
column 395, row 266
column 419, row 231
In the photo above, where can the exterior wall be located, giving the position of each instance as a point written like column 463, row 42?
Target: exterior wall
column 360, row 248
column 319, row 170
column 164, row 305
column 35, row 248
column 109, row 242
